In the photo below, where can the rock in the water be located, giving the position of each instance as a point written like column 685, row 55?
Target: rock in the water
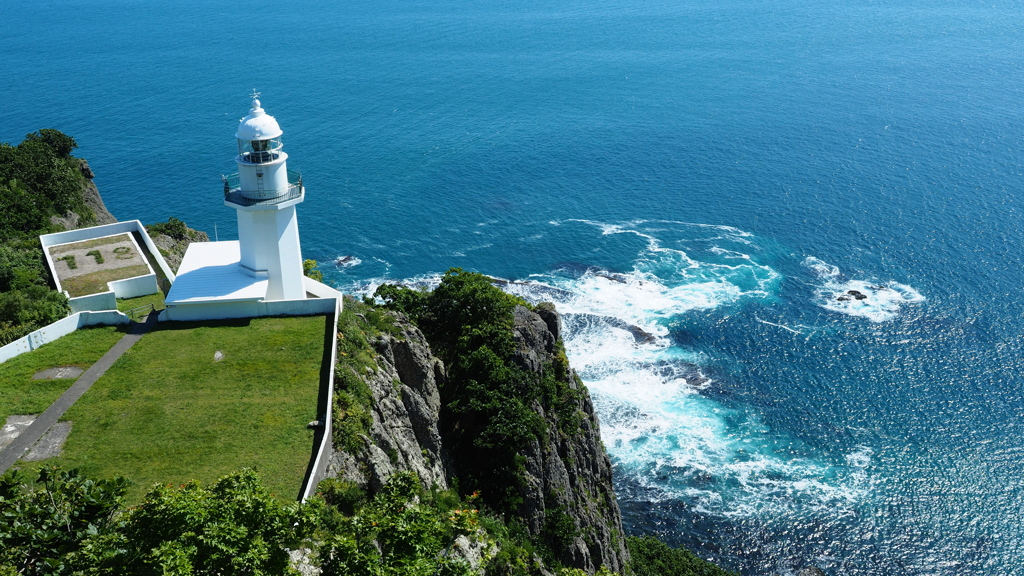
column 857, row 294
column 811, row 571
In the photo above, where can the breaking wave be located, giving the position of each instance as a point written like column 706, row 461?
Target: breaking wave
column 665, row 430
column 875, row 301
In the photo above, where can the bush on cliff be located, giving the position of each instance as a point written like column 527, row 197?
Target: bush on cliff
column 49, row 181
column 38, row 179
column 652, row 557
column 43, row 523
column 403, row 531
column 67, row 523
column 486, row 415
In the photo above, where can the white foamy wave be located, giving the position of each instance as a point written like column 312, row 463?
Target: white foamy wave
column 345, row 261
column 679, row 445
column 369, row 286
column 676, row 443
column 875, row 301
column 662, row 432
column 664, row 282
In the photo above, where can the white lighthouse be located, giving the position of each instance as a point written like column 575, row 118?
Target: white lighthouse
column 260, row 274
column 264, row 194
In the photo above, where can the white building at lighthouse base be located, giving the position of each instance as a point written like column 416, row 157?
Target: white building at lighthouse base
column 212, row 284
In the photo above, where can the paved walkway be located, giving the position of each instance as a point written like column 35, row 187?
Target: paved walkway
column 16, row 449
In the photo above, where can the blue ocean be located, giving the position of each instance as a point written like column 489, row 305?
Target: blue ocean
column 785, row 236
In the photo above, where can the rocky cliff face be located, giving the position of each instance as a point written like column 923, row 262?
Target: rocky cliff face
column 568, row 474
column 91, row 195
column 173, row 249
column 404, row 433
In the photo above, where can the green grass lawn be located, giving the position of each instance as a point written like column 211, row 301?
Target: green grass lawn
column 166, row 412
column 20, row 394
column 127, row 304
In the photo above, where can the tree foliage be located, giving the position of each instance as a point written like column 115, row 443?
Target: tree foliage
column 174, row 228
column 46, row 172
column 309, row 268
column 44, row 523
column 403, row 531
column 652, row 557
column 67, row 524
column 232, row 527
column 38, row 179
column 486, row 415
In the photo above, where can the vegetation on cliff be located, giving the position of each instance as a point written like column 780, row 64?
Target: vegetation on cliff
column 38, row 179
column 64, row 523
column 172, row 239
column 44, row 189
column 519, row 431
column 40, row 182
column 487, row 416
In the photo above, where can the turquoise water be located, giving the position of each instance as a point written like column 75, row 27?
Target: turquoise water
column 694, row 185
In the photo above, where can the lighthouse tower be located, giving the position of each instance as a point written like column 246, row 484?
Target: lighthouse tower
column 264, row 194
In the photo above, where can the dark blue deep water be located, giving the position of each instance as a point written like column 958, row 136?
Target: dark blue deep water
column 697, row 185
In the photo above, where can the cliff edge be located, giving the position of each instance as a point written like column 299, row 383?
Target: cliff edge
column 562, row 491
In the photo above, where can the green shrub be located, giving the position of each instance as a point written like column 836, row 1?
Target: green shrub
column 309, row 269
column 173, row 227
column 25, row 310
column 403, row 531
column 346, row 496
column 488, row 402
column 652, row 557
column 43, row 166
column 38, row 179
column 232, row 527
column 353, row 400
column 41, row 523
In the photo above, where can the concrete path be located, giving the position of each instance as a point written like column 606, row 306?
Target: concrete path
column 16, row 449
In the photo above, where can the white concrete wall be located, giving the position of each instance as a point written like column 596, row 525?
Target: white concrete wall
column 305, row 307
column 319, row 289
column 128, row 288
column 94, row 302
column 326, row 435
column 62, row 327
column 134, row 287
column 48, row 240
column 211, row 311
column 250, row 309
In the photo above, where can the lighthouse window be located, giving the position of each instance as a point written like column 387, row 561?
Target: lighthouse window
column 259, row 151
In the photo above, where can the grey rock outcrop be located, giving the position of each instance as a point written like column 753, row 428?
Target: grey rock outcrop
column 91, row 195
column 173, row 249
column 404, row 432
column 568, row 474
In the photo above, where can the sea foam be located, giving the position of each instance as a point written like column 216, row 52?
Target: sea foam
column 873, row 300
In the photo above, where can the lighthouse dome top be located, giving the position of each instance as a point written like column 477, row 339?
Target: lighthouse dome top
column 258, row 125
